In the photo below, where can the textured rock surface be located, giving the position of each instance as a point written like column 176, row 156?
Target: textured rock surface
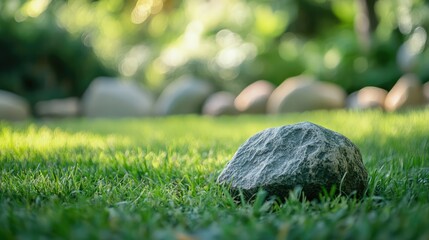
column 367, row 97
column 220, row 103
column 304, row 93
column 13, row 107
column 407, row 92
column 304, row 154
column 67, row 107
column 107, row 97
column 253, row 99
column 183, row 96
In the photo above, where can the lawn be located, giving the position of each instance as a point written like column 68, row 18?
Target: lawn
column 155, row 178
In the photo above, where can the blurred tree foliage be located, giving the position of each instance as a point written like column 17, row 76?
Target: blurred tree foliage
column 232, row 43
column 40, row 60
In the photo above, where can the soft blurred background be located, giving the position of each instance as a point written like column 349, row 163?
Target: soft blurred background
column 53, row 50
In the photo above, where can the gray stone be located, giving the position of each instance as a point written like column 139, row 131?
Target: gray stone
column 185, row 95
column 67, row 107
column 300, row 155
column 220, row 103
column 352, row 101
column 426, row 91
column 13, row 107
column 406, row 93
column 108, row 97
column 367, row 97
column 253, row 99
column 305, row 93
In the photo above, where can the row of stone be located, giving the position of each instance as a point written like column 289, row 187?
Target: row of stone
column 304, row 93
column 107, row 97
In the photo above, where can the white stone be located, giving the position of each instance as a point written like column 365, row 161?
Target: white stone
column 108, row 97
column 67, row 107
column 185, row 95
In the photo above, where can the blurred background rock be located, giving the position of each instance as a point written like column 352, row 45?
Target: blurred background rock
column 54, row 49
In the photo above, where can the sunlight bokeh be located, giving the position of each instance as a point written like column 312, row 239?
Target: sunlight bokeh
column 230, row 43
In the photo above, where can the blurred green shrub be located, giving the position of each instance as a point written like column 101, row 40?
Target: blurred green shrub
column 39, row 60
column 230, row 42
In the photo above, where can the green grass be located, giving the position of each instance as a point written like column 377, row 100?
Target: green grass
column 155, row 179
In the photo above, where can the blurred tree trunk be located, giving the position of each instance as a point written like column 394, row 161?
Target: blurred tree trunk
column 366, row 22
column 312, row 18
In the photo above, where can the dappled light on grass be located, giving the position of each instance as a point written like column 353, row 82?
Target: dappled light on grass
column 156, row 178
column 46, row 140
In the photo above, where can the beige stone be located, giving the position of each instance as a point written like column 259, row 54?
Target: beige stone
column 406, row 93
column 305, row 93
column 220, row 103
column 367, row 97
column 253, row 99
